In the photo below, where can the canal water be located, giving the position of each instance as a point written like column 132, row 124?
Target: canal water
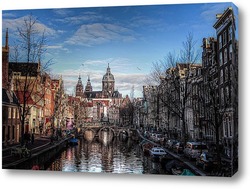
column 119, row 156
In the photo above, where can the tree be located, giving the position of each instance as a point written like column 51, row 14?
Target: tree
column 174, row 80
column 27, row 68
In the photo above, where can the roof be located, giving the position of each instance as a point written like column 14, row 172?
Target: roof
column 93, row 94
column 223, row 16
column 9, row 97
column 31, row 68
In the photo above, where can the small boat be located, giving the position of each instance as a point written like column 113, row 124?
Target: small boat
column 176, row 171
column 73, row 141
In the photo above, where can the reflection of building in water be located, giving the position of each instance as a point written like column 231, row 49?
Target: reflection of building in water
column 107, row 157
column 116, row 157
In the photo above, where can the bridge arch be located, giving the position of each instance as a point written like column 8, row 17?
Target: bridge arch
column 125, row 132
column 89, row 134
column 106, row 134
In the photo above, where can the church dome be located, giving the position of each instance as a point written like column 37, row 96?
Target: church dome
column 108, row 76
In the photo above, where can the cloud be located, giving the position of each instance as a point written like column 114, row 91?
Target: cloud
column 13, row 24
column 99, row 33
column 75, row 20
column 123, row 82
column 209, row 11
column 72, row 17
column 62, row 12
column 8, row 15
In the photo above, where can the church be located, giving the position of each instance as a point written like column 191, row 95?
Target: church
column 108, row 88
column 102, row 106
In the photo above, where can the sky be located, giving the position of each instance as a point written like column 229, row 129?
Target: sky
column 83, row 41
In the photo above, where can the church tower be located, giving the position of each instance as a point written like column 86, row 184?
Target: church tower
column 108, row 83
column 79, row 87
column 88, row 87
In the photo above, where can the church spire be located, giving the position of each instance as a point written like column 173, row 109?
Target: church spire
column 108, row 69
column 88, row 87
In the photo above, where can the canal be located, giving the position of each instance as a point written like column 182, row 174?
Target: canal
column 118, row 156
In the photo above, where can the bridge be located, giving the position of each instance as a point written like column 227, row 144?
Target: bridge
column 105, row 131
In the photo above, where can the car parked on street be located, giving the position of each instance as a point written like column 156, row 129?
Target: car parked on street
column 193, row 150
column 157, row 152
column 207, row 161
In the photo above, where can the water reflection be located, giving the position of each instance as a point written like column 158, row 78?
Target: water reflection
column 118, row 156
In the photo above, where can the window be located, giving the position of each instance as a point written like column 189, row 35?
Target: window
column 232, row 72
column 222, row 96
column 230, row 52
column 230, row 33
column 221, row 76
column 16, row 74
column 225, row 55
column 224, row 38
column 9, row 113
column 225, row 128
column 13, row 132
column 228, row 126
column 220, row 41
column 14, row 113
column 227, row 93
column 226, row 74
column 8, row 134
column 220, row 58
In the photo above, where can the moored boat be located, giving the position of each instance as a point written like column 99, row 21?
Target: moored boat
column 73, row 141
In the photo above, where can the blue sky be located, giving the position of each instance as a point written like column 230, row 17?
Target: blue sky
column 130, row 38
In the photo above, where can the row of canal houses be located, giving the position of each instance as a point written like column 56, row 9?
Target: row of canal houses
column 32, row 108
column 198, row 101
column 34, row 102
